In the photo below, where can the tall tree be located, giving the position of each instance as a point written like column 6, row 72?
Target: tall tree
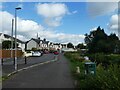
column 70, row 45
column 99, row 41
column 81, row 46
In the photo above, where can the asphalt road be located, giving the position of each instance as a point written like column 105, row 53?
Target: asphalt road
column 50, row 75
column 8, row 66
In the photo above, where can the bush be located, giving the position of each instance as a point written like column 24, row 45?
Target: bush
column 34, row 49
column 104, row 79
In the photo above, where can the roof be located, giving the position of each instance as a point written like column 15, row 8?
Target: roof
column 8, row 36
column 56, row 43
column 38, row 41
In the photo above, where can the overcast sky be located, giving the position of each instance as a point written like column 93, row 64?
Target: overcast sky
column 59, row 22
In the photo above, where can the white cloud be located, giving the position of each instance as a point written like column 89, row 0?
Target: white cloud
column 102, row 0
column 113, row 24
column 28, row 29
column 20, row 5
column 5, row 21
column 93, row 29
column 52, row 13
column 66, row 38
column 53, row 21
column 74, row 12
column 101, row 8
column 51, row 10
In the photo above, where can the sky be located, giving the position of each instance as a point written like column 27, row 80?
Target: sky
column 60, row 22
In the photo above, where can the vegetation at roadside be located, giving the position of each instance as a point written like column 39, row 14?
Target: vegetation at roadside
column 106, row 77
column 99, row 41
column 7, row 44
column 3, row 78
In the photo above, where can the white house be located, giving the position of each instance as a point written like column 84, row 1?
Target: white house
column 32, row 43
column 4, row 37
column 37, row 43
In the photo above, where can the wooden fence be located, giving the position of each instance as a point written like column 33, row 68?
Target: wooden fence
column 7, row 53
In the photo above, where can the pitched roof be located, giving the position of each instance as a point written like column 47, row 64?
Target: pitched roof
column 36, row 40
column 8, row 36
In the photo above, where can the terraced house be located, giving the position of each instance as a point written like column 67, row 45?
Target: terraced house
column 43, row 44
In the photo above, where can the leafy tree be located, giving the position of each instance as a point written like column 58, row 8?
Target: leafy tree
column 81, row 46
column 7, row 44
column 99, row 41
column 70, row 45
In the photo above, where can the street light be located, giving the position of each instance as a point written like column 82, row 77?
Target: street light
column 12, row 39
column 16, row 37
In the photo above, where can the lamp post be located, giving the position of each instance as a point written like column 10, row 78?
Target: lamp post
column 16, row 37
column 12, row 39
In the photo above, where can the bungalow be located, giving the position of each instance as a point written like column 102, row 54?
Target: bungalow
column 4, row 37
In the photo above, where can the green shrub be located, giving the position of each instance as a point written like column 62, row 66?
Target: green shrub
column 105, row 79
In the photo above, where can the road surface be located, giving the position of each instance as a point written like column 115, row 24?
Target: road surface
column 50, row 75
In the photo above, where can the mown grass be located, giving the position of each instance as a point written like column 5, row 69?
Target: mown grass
column 105, row 78
column 3, row 78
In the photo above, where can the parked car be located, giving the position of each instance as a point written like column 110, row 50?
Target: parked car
column 46, row 52
column 41, row 53
column 36, row 53
column 56, row 52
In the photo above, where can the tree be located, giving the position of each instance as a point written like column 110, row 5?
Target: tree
column 70, row 45
column 81, row 46
column 7, row 44
column 99, row 41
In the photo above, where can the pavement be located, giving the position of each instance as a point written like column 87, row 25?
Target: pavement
column 8, row 67
column 50, row 75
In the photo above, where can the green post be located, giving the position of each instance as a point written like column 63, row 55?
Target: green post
column 90, row 68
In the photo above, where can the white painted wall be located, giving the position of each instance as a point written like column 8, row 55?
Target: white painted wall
column 31, row 44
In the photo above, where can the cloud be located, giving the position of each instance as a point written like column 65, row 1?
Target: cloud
column 52, row 13
column 20, row 5
column 101, row 8
column 93, row 29
column 5, row 21
column 74, row 12
column 66, row 38
column 51, row 10
column 103, row 0
column 28, row 29
column 113, row 24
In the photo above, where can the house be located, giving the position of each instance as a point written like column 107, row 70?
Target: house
column 32, row 43
column 64, row 45
column 4, row 37
column 45, row 44
column 37, row 43
column 57, row 46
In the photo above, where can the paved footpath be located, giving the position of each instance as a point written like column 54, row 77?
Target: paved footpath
column 50, row 75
